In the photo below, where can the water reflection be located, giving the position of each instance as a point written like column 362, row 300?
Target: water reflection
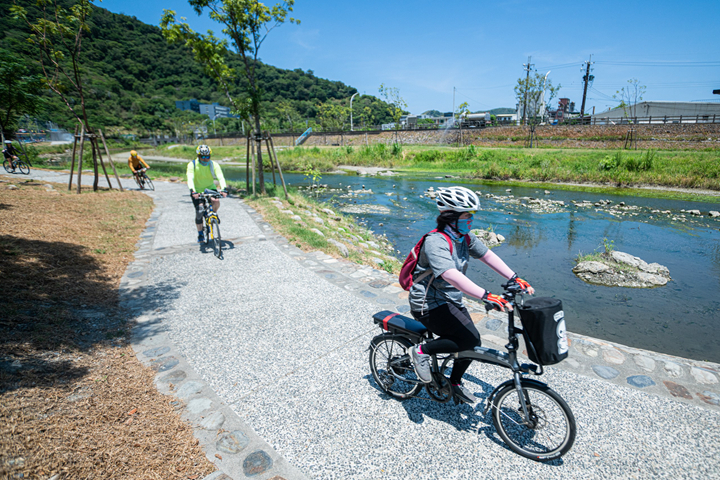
column 525, row 236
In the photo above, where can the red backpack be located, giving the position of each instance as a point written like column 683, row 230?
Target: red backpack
column 408, row 267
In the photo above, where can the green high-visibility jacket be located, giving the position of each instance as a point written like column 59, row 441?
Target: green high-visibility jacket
column 199, row 177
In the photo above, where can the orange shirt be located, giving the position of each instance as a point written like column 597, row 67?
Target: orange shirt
column 134, row 163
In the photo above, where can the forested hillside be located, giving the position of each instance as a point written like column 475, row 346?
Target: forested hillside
column 133, row 78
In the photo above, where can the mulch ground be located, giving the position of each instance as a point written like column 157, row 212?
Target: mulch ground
column 74, row 400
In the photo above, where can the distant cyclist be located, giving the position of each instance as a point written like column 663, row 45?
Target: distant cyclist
column 437, row 299
column 200, row 177
column 10, row 153
column 135, row 161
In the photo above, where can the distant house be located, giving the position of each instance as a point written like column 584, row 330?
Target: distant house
column 191, row 104
column 661, row 112
column 506, row 118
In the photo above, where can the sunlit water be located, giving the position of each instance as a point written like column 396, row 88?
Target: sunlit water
column 681, row 318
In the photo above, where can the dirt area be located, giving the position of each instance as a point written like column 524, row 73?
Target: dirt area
column 74, row 400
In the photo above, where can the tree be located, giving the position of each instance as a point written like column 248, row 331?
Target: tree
column 287, row 112
column 629, row 97
column 333, row 116
column 19, row 93
column 247, row 24
column 397, row 104
column 532, row 94
column 57, row 35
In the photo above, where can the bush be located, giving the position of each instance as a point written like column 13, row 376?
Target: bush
column 396, row 149
column 611, row 162
column 428, row 156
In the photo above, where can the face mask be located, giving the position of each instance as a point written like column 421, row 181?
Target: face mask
column 204, row 163
column 464, row 225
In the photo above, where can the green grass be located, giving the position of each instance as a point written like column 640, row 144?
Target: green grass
column 338, row 227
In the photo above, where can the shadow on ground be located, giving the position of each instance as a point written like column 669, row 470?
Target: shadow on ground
column 57, row 303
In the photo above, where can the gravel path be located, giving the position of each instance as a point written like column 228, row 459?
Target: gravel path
column 281, row 338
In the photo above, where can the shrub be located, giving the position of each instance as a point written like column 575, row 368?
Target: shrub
column 611, row 162
column 396, row 149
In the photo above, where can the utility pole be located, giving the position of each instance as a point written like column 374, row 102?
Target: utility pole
column 527, row 66
column 586, row 80
column 453, row 112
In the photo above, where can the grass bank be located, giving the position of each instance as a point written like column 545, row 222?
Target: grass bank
column 74, row 400
column 620, row 168
column 311, row 225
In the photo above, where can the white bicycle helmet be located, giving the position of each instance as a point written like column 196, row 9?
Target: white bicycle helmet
column 203, row 150
column 458, row 199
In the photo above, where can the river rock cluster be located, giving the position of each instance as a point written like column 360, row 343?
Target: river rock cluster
column 489, row 238
column 620, row 269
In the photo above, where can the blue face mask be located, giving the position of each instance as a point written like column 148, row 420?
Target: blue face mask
column 464, row 225
column 204, row 163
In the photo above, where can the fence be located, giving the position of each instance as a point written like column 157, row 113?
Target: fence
column 652, row 120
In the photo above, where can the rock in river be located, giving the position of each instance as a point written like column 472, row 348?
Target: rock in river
column 620, row 269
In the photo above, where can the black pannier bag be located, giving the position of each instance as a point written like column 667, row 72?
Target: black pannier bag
column 543, row 324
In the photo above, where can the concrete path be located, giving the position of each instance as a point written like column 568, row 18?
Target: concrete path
column 266, row 353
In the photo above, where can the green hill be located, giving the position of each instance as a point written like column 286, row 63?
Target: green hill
column 133, row 77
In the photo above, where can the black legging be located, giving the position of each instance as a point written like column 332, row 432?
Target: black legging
column 456, row 331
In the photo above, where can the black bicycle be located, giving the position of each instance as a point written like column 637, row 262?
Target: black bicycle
column 211, row 222
column 143, row 180
column 530, row 417
column 20, row 166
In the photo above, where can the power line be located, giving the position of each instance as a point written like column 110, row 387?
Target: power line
column 662, row 64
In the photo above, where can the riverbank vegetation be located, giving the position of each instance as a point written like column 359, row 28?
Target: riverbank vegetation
column 310, row 225
column 74, row 400
column 613, row 168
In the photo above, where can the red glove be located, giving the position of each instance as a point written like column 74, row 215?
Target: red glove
column 523, row 284
column 495, row 301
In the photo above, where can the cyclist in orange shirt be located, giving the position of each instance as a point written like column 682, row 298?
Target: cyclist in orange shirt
column 135, row 161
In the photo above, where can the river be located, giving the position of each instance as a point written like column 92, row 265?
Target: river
column 681, row 318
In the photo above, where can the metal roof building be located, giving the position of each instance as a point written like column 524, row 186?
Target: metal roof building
column 662, row 112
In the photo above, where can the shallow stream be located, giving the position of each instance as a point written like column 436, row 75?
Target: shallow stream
column 681, row 318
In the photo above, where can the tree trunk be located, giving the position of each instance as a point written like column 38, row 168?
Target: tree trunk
column 261, row 178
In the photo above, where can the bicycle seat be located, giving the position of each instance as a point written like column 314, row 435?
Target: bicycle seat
column 396, row 323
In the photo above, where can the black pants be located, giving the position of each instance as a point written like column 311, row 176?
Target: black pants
column 456, row 331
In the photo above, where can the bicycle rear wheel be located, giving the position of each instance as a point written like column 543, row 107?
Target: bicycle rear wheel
column 148, row 182
column 214, row 229
column 391, row 367
column 547, row 434
column 8, row 168
column 24, row 168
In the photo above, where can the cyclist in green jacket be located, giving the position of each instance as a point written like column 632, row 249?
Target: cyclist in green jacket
column 199, row 178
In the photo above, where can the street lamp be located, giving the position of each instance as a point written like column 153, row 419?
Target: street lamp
column 351, row 122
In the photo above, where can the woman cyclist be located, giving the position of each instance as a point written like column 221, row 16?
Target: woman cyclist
column 436, row 299
column 200, row 177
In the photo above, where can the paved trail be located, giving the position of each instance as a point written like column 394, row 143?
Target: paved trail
column 280, row 338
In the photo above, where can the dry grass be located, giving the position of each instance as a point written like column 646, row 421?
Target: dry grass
column 74, row 400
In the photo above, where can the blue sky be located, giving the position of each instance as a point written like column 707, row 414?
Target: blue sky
column 425, row 48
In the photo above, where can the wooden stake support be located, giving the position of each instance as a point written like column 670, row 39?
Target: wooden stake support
column 112, row 164
column 271, row 148
column 72, row 164
column 80, row 160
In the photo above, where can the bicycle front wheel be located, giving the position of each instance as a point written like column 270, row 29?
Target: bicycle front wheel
column 139, row 181
column 391, row 367
column 148, row 182
column 24, row 168
column 8, row 168
column 548, row 432
column 215, row 237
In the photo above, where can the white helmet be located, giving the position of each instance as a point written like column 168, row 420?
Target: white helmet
column 458, row 199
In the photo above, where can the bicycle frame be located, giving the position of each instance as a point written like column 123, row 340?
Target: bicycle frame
column 507, row 359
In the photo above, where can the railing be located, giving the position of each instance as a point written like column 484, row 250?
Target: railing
column 651, row 120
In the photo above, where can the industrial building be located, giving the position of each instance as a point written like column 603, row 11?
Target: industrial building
column 661, row 112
